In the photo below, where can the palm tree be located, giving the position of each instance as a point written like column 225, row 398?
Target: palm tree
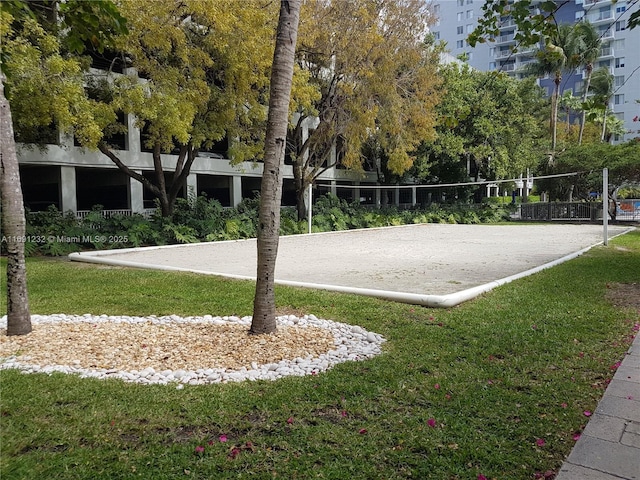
column 557, row 56
column 589, row 44
column 570, row 103
column 264, row 316
column 602, row 89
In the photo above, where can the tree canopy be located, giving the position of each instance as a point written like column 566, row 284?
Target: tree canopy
column 490, row 119
column 193, row 73
column 622, row 161
column 376, row 77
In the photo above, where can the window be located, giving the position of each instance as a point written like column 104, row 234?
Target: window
column 436, row 8
column 618, row 80
column 469, row 28
column 460, row 30
column 436, row 35
column 618, row 45
column 618, row 99
column 492, row 52
column 469, row 13
column 620, row 62
column 621, row 8
column 469, row 2
column 459, row 16
column 604, row 63
column 579, row 14
column 460, row 3
column 470, row 56
column 460, row 44
column 620, row 26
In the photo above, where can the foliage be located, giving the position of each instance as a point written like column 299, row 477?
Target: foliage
column 533, row 25
column 486, row 118
column 518, row 364
column 204, row 65
column 622, row 161
column 54, row 233
column 375, row 77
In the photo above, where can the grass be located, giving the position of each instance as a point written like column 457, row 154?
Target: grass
column 457, row 392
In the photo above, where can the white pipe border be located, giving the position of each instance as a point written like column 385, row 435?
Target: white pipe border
column 434, row 301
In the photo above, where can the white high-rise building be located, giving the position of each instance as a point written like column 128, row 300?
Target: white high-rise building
column 620, row 48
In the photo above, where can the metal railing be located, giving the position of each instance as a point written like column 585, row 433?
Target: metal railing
column 146, row 213
column 562, row 211
column 627, row 211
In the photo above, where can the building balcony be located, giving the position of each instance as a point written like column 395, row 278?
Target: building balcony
column 505, row 39
column 595, row 2
column 507, row 24
column 600, row 17
column 606, row 52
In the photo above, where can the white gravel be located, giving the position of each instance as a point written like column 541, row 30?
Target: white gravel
column 351, row 343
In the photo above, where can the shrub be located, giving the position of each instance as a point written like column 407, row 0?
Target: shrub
column 202, row 219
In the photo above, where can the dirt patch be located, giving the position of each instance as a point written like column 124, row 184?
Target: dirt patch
column 624, row 295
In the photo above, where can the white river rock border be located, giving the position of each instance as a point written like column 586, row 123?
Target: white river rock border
column 352, row 343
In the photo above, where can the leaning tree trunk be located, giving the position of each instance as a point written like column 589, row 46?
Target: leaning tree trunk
column 13, row 224
column 583, row 120
column 604, row 123
column 554, row 113
column 264, row 305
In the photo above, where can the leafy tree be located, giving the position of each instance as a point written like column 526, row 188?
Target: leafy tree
column 622, row 161
column 376, row 77
column 30, row 54
column 264, row 318
column 487, row 119
column 205, row 66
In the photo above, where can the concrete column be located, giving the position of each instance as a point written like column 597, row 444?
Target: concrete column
column 414, row 196
column 356, row 193
column 396, row 197
column 378, row 198
column 69, row 200
column 236, row 190
column 136, row 195
column 192, row 185
column 133, row 135
column 334, row 190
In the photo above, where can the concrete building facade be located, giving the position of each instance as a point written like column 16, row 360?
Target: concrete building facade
column 620, row 51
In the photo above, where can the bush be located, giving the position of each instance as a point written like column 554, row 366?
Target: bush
column 202, row 219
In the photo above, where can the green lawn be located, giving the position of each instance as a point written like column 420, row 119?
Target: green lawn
column 473, row 390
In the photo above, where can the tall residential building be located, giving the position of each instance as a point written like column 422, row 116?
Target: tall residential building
column 620, row 51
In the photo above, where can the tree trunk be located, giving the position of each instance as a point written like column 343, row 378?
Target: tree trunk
column 301, row 186
column 589, row 69
column 604, row 124
column 554, row 112
column 13, row 224
column 264, row 307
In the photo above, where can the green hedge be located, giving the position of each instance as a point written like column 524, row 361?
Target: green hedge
column 55, row 233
